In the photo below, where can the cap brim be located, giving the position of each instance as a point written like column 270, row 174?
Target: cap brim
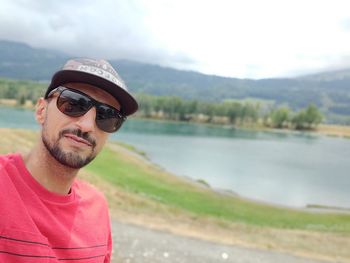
column 126, row 100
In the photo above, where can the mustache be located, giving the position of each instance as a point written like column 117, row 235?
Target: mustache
column 79, row 133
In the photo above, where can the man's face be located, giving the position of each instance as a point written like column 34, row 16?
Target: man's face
column 73, row 141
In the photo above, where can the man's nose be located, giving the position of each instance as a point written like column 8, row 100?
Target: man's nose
column 87, row 122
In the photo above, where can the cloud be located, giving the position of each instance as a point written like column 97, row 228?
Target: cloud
column 111, row 29
column 249, row 38
column 345, row 24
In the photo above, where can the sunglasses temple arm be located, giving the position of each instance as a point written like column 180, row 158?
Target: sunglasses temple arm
column 60, row 88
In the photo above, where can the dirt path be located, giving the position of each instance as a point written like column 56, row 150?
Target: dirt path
column 135, row 244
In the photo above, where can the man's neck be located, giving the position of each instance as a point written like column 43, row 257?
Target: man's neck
column 48, row 172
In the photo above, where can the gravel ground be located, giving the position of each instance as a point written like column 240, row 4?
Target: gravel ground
column 135, row 244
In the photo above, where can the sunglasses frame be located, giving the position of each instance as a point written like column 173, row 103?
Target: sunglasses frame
column 94, row 103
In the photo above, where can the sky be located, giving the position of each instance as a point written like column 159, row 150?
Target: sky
column 244, row 39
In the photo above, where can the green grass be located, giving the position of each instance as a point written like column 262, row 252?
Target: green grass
column 174, row 192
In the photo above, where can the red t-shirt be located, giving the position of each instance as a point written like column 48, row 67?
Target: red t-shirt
column 40, row 226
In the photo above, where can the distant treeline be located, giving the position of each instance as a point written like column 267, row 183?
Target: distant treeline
column 174, row 108
column 227, row 112
column 21, row 90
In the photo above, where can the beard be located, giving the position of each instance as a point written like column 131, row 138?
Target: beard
column 71, row 159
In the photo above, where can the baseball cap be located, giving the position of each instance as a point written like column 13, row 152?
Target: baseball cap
column 98, row 73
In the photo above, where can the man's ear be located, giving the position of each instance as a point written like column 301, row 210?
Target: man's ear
column 40, row 111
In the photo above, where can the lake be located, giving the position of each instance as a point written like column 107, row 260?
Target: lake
column 286, row 168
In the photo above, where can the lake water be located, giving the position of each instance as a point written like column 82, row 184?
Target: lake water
column 293, row 169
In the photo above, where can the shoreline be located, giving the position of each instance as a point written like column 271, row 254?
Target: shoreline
column 132, row 151
column 332, row 130
column 311, row 208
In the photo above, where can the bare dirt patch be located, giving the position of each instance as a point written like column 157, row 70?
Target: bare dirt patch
column 334, row 130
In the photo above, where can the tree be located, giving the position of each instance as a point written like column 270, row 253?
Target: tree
column 313, row 116
column 307, row 119
column 21, row 99
column 299, row 120
column 233, row 110
column 280, row 117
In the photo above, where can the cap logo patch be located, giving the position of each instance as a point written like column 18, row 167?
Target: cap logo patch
column 101, row 73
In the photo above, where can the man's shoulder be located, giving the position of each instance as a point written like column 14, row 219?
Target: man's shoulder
column 6, row 159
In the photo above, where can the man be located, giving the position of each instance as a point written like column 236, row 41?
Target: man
column 46, row 214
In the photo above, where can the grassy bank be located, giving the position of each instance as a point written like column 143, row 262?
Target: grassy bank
column 142, row 193
column 172, row 191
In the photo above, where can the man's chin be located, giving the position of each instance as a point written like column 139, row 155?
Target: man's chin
column 73, row 159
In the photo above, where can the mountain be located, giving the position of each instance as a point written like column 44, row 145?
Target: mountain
column 20, row 61
column 330, row 91
column 329, row 75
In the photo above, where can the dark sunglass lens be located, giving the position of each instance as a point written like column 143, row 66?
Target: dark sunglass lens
column 107, row 119
column 73, row 103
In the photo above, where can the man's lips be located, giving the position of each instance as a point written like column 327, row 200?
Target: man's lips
column 78, row 139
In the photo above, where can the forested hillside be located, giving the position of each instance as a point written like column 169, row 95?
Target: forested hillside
column 329, row 91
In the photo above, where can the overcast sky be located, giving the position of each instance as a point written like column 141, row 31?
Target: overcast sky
column 246, row 39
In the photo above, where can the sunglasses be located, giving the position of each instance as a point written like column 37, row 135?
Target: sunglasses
column 75, row 103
